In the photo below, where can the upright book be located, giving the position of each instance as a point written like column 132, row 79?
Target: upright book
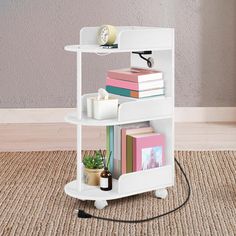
column 117, row 151
column 148, row 151
column 123, row 130
column 135, row 74
column 108, row 140
column 110, row 146
column 127, row 150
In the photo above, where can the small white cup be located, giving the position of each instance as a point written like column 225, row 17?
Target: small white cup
column 105, row 108
column 90, row 101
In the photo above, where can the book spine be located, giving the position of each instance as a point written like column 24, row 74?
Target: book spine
column 123, row 150
column 150, row 93
column 134, row 94
column 111, row 145
column 116, row 166
column 107, row 140
column 162, row 137
column 117, row 75
column 134, row 154
column 129, row 154
column 135, row 86
column 121, row 84
column 135, row 78
column 118, row 153
column 118, row 91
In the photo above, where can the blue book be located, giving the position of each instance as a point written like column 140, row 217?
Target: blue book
column 111, row 148
column 108, row 140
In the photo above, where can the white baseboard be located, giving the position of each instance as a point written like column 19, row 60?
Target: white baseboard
column 56, row 115
column 34, row 115
column 205, row 114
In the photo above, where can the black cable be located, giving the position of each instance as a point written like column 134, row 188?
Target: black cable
column 144, row 58
column 83, row 214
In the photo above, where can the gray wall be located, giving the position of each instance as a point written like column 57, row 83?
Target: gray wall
column 36, row 72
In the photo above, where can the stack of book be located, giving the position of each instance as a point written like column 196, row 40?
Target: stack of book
column 135, row 82
column 135, row 147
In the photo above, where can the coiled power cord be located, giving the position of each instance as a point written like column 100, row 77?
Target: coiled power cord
column 83, row 214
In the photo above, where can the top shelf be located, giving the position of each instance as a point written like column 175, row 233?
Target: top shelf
column 129, row 39
column 99, row 50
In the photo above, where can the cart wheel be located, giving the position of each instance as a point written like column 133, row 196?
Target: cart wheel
column 100, row 204
column 161, row 193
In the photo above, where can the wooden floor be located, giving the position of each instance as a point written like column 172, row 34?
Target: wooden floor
column 62, row 136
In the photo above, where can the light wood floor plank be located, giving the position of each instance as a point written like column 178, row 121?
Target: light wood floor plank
column 205, row 136
column 62, row 136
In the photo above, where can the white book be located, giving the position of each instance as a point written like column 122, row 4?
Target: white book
column 148, row 93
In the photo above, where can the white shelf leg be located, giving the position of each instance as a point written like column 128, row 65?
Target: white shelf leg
column 100, row 204
column 79, row 114
column 161, row 193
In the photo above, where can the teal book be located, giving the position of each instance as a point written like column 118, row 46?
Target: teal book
column 135, row 94
column 118, row 91
column 111, row 148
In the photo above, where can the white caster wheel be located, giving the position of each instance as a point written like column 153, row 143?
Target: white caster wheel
column 100, row 204
column 161, row 193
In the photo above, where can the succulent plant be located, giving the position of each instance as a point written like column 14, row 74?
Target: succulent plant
column 94, row 161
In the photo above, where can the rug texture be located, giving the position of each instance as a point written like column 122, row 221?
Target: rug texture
column 33, row 202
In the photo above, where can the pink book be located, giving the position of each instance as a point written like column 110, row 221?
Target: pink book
column 148, row 151
column 134, row 85
column 135, row 74
column 128, row 131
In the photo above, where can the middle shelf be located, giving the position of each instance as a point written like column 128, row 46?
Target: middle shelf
column 130, row 110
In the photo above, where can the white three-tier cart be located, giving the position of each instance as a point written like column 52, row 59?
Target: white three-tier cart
column 158, row 110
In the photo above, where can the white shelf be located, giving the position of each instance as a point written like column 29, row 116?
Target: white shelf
column 94, row 193
column 86, row 121
column 129, row 38
column 130, row 110
column 99, row 50
column 91, row 192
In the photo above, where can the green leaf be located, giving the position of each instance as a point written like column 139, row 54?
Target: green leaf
column 93, row 162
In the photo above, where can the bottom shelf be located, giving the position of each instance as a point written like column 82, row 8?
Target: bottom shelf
column 92, row 192
column 127, row 185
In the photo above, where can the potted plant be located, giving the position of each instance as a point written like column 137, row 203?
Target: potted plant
column 94, row 165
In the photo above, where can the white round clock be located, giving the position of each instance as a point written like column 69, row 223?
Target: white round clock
column 106, row 35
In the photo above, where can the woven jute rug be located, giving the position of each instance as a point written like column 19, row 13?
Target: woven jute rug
column 33, row 202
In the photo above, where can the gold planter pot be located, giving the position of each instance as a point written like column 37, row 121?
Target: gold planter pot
column 92, row 176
